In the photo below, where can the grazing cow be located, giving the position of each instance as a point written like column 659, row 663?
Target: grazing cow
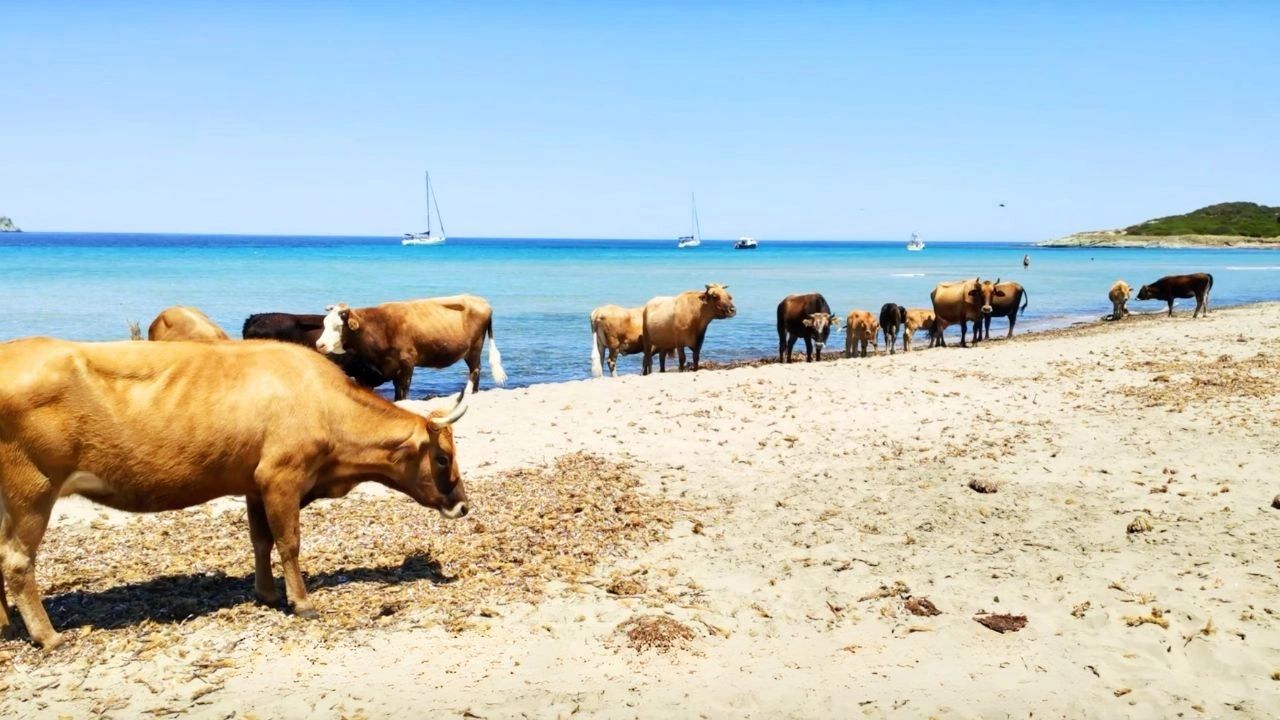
column 860, row 330
column 961, row 302
column 676, row 323
column 1170, row 287
column 1005, row 297
column 184, row 323
column 918, row 319
column 892, row 316
column 396, row 337
column 806, row 317
column 306, row 330
column 146, row 427
column 1119, row 296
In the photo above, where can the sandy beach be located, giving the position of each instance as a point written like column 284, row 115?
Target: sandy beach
column 810, row 536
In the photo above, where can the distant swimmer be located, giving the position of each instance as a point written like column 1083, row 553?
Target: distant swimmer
column 1026, row 261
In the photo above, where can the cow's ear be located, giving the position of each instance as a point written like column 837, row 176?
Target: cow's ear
column 974, row 292
column 835, row 321
column 353, row 322
column 808, row 322
column 1000, row 293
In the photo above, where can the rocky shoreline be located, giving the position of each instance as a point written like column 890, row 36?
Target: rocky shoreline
column 6, row 225
column 1121, row 239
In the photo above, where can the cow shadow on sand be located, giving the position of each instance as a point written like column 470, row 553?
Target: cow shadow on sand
column 172, row 599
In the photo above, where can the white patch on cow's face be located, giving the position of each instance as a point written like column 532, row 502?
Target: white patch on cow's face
column 330, row 341
column 455, row 512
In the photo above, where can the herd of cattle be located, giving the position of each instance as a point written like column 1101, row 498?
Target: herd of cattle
column 152, row 426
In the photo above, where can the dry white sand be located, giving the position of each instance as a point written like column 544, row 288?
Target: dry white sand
column 816, row 486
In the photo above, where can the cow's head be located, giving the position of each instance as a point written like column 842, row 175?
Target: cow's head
column 983, row 293
column 822, row 324
column 1144, row 293
column 721, row 302
column 428, row 462
column 339, row 323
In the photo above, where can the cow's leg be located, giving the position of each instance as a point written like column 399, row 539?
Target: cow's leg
column 697, row 348
column 646, row 359
column 963, row 330
column 680, row 354
column 782, row 343
column 808, row 349
column 473, row 370
column 1013, row 319
column 402, row 380
column 662, row 361
column 1170, row 308
column 791, row 345
column 264, row 584
column 21, row 531
column 282, row 517
column 613, row 362
column 1200, row 305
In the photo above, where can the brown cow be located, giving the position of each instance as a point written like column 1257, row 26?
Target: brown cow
column 860, row 329
column 1005, row 298
column 1119, row 297
column 395, row 337
column 184, row 323
column 617, row 330
column 146, row 427
column 806, row 316
column 918, row 319
column 1171, row 287
column 962, row 302
column 676, row 323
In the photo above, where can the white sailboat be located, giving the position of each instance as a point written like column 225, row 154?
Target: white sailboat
column 915, row 244
column 427, row 237
column 694, row 240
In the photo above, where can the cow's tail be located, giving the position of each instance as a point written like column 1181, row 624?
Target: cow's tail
column 1024, row 301
column 495, row 358
column 596, row 369
column 1206, row 290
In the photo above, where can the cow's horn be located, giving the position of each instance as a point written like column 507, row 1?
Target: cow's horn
column 459, row 409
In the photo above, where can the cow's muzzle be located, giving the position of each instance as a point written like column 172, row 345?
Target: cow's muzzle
column 458, row 510
column 986, row 309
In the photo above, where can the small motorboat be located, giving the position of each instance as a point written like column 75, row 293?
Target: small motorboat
column 745, row 243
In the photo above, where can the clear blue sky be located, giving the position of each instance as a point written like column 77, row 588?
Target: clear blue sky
column 596, row 119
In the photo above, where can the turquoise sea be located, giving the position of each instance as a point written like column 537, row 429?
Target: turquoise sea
column 87, row 286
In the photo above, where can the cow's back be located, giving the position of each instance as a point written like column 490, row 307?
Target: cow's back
column 661, row 319
column 164, row 424
column 184, row 323
column 951, row 301
column 619, row 327
column 444, row 328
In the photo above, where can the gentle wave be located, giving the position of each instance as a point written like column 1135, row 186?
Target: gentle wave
column 1253, row 267
column 906, row 274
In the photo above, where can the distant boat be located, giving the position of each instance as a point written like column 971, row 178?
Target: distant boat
column 915, row 244
column 745, row 243
column 427, row 238
column 694, row 240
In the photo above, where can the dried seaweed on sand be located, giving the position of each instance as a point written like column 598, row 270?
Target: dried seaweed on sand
column 655, row 632
column 1002, row 623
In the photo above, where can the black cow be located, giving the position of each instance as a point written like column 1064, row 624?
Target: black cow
column 892, row 316
column 1169, row 287
column 305, row 330
column 805, row 316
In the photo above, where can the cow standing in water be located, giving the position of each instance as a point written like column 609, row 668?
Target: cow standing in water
column 918, row 319
column 153, row 426
column 676, row 323
column 396, row 337
column 184, row 323
column 617, row 331
column 1171, row 287
column 1005, row 298
column 804, row 317
column 1119, row 297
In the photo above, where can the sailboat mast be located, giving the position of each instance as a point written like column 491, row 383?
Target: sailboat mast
column 427, row 175
column 697, row 230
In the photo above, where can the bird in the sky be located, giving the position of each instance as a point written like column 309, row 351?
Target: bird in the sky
column 1001, row 204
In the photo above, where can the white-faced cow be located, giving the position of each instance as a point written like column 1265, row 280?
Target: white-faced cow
column 305, row 330
column 676, row 323
column 1171, row 287
column 146, row 427
column 184, row 323
column 396, row 337
column 804, row 317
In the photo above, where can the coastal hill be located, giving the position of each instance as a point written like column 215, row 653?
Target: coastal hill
column 1234, row 224
column 6, row 225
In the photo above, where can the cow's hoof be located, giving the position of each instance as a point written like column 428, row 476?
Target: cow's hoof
column 272, row 600
column 307, row 613
column 50, row 642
